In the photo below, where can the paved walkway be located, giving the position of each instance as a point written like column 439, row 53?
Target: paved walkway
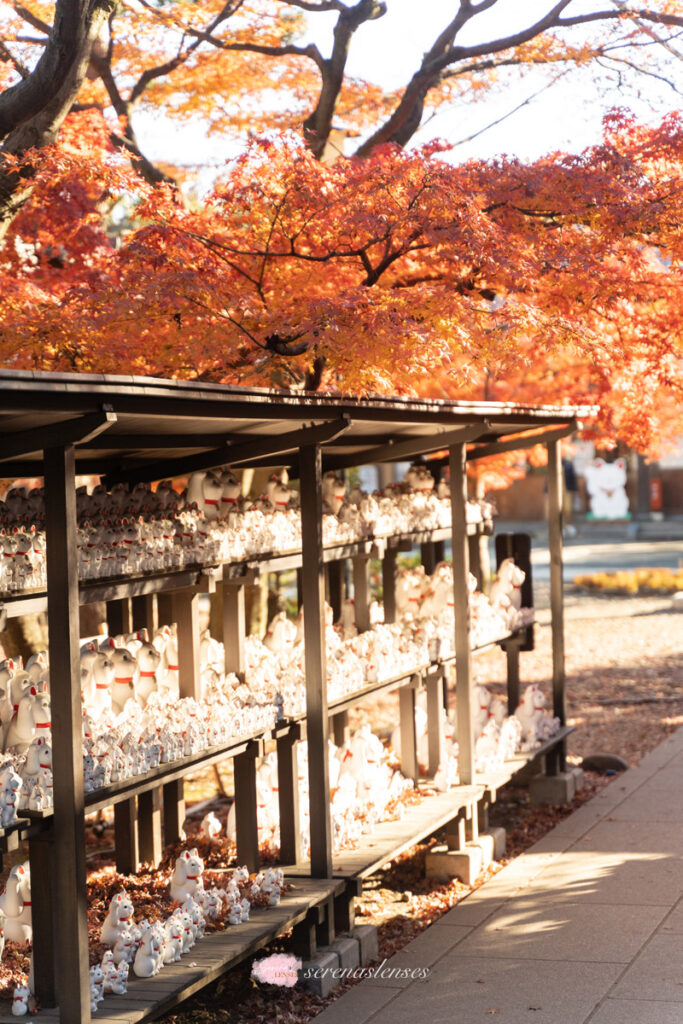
column 586, row 926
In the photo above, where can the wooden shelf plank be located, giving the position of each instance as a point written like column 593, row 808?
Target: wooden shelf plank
column 391, row 838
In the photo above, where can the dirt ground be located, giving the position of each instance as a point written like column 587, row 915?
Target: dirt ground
column 624, row 662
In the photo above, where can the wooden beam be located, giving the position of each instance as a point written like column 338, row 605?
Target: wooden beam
column 313, row 587
column 435, row 732
column 555, row 485
column 234, row 628
column 149, row 826
column 186, row 616
column 160, row 442
column 519, row 443
column 68, row 432
column 409, row 765
column 400, row 451
column 174, row 810
column 288, row 797
column 389, row 584
column 70, row 901
column 361, row 592
column 127, row 851
column 45, row 934
column 233, row 454
column 461, row 609
column 246, row 813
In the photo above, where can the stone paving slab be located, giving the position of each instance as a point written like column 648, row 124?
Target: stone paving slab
column 637, row 1011
column 466, row 990
column 569, row 931
column 616, row 857
column 357, row 1005
column 657, row 973
column 585, row 927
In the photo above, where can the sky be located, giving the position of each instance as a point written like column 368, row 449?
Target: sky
column 566, row 117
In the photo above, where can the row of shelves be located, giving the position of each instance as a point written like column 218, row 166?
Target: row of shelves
column 128, row 788
column 204, row 577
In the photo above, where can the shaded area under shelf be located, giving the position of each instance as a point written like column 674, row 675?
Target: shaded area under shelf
column 216, row 953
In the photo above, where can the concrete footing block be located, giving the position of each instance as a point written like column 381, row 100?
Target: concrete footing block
column 579, row 779
column 366, row 936
column 443, row 864
column 347, row 948
column 492, row 842
column 553, row 789
column 467, row 864
column 318, row 974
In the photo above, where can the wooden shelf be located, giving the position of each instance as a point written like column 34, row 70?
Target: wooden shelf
column 493, row 781
column 372, row 689
column 391, row 838
column 216, row 953
column 118, row 791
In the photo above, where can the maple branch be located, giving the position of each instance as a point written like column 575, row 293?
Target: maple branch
column 231, row 319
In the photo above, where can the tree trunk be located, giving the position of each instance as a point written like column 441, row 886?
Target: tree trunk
column 32, row 111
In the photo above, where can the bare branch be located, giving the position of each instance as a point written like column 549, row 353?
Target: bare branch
column 32, row 19
column 510, row 113
column 318, row 124
column 623, row 12
column 324, row 5
column 18, row 65
column 406, row 118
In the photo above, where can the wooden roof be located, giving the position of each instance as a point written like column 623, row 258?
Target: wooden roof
column 149, row 428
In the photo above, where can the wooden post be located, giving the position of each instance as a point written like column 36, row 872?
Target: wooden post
column 313, row 587
column 341, row 730
column 361, row 592
column 555, row 484
column 475, row 559
column 461, row 608
column 126, row 836
column 186, row 615
column 518, row 547
column 409, row 765
column 427, row 557
column 246, row 821
column 389, row 584
column 165, row 609
column 512, row 657
column 119, row 617
column 145, row 613
column 149, row 825
column 435, row 706
column 335, row 583
column 234, row 628
column 68, row 866
column 288, row 796
column 42, row 898
column 174, row 809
